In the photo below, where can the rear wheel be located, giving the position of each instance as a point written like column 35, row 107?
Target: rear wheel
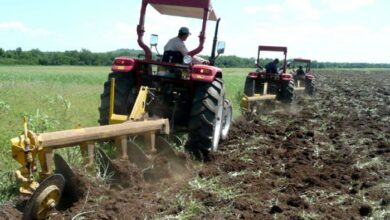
column 124, row 97
column 286, row 94
column 309, row 87
column 206, row 118
column 252, row 86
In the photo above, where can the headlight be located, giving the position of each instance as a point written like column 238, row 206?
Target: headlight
column 187, row 59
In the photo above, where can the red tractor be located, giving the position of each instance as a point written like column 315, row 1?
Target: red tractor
column 303, row 76
column 267, row 85
column 191, row 96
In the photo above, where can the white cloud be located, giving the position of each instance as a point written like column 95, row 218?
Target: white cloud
column 123, row 35
column 338, row 43
column 302, row 8
column 347, row 5
column 272, row 8
column 386, row 29
column 21, row 27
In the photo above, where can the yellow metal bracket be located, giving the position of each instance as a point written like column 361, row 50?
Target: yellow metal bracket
column 114, row 118
column 246, row 100
column 138, row 111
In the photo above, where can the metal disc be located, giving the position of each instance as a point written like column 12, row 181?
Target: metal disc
column 45, row 198
column 137, row 156
column 106, row 166
column 164, row 148
column 176, row 140
column 70, row 188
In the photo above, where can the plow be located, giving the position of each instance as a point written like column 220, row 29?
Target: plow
column 30, row 149
column 149, row 99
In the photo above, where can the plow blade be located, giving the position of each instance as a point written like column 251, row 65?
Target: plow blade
column 106, row 167
column 71, row 193
column 137, row 156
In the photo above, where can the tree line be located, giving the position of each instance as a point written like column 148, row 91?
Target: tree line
column 88, row 58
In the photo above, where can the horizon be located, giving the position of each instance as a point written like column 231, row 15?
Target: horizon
column 350, row 31
column 113, row 51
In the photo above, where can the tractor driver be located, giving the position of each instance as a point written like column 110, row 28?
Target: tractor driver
column 176, row 44
column 300, row 71
column 272, row 67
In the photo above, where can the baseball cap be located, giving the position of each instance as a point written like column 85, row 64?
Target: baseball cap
column 184, row 30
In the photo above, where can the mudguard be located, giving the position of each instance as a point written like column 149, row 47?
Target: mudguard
column 204, row 73
column 123, row 64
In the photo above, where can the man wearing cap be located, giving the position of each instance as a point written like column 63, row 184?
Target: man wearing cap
column 177, row 44
column 272, row 67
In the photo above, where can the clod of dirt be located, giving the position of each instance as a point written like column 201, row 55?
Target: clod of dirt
column 126, row 174
column 275, row 209
column 159, row 170
column 365, row 210
column 296, row 202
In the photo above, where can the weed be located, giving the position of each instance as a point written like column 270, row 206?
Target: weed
column 213, row 186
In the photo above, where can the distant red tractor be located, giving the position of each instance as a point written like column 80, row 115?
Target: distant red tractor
column 262, row 85
column 303, row 76
column 191, row 96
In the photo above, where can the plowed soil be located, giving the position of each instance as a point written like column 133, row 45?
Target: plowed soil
column 324, row 157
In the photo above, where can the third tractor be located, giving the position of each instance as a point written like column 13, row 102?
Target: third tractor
column 303, row 76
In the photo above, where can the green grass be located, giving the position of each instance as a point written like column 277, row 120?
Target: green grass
column 62, row 97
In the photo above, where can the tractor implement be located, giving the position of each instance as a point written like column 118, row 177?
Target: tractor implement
column 30, row 149
column 299, row 86
column 249, row 103
column 42, row 147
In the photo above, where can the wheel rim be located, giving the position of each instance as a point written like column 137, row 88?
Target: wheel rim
column 218, row 125
column 47, row 201
column 227, row 119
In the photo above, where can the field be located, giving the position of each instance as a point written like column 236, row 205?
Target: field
column 324, row 157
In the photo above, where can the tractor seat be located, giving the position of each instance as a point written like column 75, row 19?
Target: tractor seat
column 172, row 57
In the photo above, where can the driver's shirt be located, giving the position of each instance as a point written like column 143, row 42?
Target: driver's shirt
column 176, row 44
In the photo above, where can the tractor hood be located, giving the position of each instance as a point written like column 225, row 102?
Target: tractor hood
column 184, row 8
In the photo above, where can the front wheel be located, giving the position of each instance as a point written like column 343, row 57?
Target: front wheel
column 206, row 117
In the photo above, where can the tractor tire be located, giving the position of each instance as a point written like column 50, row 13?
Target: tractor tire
column 205, row 123
column 286, row 94
column 309, row 87
column 124, row 98
column 252, row 86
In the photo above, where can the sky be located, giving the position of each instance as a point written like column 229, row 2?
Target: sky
column 323, row 30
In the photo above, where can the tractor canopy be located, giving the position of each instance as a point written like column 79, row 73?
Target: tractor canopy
column 200, row 9
column 273, row 49
column 300, row 60
column 184, row 8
